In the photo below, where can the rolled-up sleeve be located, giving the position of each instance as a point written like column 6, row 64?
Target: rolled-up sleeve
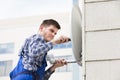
column 48, row 73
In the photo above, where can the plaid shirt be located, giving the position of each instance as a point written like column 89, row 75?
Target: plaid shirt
column 33, row 52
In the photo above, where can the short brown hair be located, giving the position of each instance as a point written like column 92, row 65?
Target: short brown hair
column 51, row 22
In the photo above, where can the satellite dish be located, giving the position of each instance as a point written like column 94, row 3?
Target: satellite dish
column 76, row 33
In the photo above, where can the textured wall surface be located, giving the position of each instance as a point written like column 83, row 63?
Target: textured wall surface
column 102, row 39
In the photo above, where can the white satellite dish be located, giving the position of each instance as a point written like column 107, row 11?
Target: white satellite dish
column 76, row 33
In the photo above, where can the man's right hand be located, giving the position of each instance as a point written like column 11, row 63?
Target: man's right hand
column 61, row 39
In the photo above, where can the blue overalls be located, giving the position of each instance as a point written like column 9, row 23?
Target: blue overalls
column 19, row 73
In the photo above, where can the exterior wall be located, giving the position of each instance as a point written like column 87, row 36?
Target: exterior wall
column 101, row 40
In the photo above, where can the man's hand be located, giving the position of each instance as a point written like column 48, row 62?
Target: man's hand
column 58, row 63
column 61, row 39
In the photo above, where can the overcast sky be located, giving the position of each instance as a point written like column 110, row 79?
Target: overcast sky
column 20, row 8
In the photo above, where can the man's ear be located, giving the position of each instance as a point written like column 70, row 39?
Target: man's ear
column 41, row 28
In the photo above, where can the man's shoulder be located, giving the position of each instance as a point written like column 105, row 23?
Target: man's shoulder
column 36, row 37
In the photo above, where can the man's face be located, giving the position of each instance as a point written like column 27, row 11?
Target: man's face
column 49, row 32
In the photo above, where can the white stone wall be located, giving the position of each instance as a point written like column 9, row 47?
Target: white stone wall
column 102, row 39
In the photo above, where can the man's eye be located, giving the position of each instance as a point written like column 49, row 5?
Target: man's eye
column 52, row 30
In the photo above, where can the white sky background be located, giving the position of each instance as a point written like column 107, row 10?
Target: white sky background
column 21, row 8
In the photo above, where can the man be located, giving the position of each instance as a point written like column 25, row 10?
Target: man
column 32, row 62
